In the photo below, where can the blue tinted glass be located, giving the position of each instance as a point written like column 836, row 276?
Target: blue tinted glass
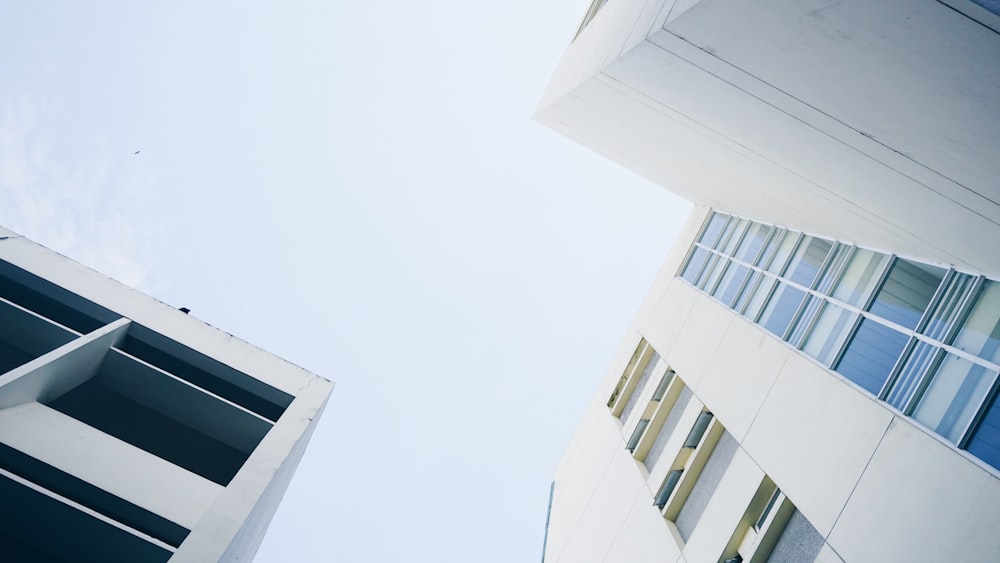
column 871, row 354
column 828, row 333
column 731, row 282
column 948, row 307
column 733, row 235
column 753, row 242
column 694, row 264
column 911, row 374
column 805, row 320
column 860, row 276
column 780, row 309
column 840, row 255
column 777, row 252
column 985, row 443
column 953, row 396
column 980, row 334
column 807, row 261
column 758, row 297
column 712, row 230
column 712, row 272
column 906, row 292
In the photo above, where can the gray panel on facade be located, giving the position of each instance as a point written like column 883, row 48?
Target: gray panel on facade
column 798, row 542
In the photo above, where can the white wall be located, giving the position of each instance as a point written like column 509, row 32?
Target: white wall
column 864, row 121
column 875, row 485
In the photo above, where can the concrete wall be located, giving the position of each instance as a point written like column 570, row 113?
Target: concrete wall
column 871, row 122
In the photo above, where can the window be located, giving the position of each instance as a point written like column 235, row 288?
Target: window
column 649, row 365
column 667, row 488
column 980, row 334
column 671, row 416
column 923, row 338
column 695, row 472
column 698, row 430
column 826, row 336
column 871, row 354
column 772, row 529
column 860, row 277
column 637, row 434
column 953, row 396
column 627, row 383
column 906, row 292
column 911, row 374
column 654, row 417
column 781, row 309
column 808, row 260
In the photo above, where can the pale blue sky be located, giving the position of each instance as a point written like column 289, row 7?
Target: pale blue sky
column 358, row 188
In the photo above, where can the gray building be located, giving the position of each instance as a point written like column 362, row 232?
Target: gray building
column 131, row 431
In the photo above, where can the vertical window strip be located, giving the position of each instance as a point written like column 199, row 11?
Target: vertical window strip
column 924, row 339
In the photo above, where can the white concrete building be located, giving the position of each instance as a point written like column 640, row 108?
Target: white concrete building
column 814, row 374
column 131, row 431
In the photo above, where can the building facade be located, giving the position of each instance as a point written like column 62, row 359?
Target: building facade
column 814, row 374
column 131, row 431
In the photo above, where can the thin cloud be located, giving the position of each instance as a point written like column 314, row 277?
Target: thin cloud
column 96, row 209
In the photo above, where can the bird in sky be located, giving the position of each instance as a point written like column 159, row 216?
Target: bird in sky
column 136, row 152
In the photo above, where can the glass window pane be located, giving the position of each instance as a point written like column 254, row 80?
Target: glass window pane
column 698, row 430
column 759, row 297
column 694, row 264
column 727, row 233
column 985, row 443
column 841, row 254
column 829, row 333
column 730, row 283
column 778, row 252
column 946, row 312
column 805, row 319
column 734, row 235
column 871, row 355
column 911, row 374
column 980, row 334
column 753, row 242
column 662, row 387
column 748, row 291
column 712, row 272
column 860, row 277
column 780, row 309
column 706, row 272
column 808, row 259
column 953, row 397
column 906, row 292
column 712, row 230
column 633, row 441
